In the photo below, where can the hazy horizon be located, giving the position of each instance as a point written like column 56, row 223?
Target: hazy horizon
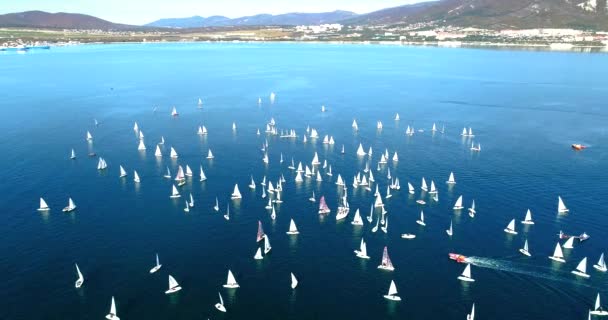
column 139, row 12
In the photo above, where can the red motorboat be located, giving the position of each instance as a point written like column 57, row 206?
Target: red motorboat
column 578, row 146
column 457, row 257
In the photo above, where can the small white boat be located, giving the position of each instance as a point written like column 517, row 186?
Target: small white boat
column 292, row 228
column 202, row 174
column 408, row 236
column 385, row 227
column 370, row 218
column 252, row 184
column 421, row 220
column 71, row 206
column 141, row 145
column 157, row 266
column 43, row 206
column 168, row 174
column 227, row 214
column 420, row 202
column 231, row 281
column 357, row 221
column 312, row 198
column 236, row 194
column 433, row 188
column 561, row 207
column 267, row 246
column 173, row 286
column 294, row 281
column 174, row 192
column 210, row 154
column 220, row 305
column 386, row 263
column 200, row 103
column 524, row 250
column 511, row 227
column 80, row 279
column 234, row 126
column 73, row 155
column 112, row 315
column 360, row 151
column 397, row 117
column 362, row 252
column 173, row 153
column 102, row 165
column 423, row 186
column 466, row 274
column 258, row 255
column 528, row 218
column 598, row 310
column 601, row 264
column 187, row 207
column 162, row 140
column 123, row 173
column 458, row 204
column 392, row 292
column 451, row 179
column 471, row 316
column 472, row 211
column 581, row 269
column 354, row 125
column 217, row 205
column 450, row 231
column 174, row 112
column 569, row 244
column 89, row 136
column 410, row 187
column 558, row 254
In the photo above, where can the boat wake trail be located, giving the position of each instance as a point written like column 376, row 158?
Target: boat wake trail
column 524, row 269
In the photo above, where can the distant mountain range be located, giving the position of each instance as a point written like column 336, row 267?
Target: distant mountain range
column 288, row 19
column 491, row 14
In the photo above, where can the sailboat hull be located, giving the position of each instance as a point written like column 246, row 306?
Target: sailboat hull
column 173, row 290
column 580, row 274
column 420, row 222
column 78, row 283
column 408, row 236
column 527, row 222
column 292, row 232
column 524, row 252
column 220, row 307
column 387, row 268
column 392, row 298
column 600, row 268
column 558, row 259
column 231, row 286
column 463, row 278
column 68, row 209
column 155, row 268
column 43, row 209
column 176, row 196
column 112, row 317
column 458, row 207
column 357, row 223
column 510, row 231
column 599, row 313
column 361, row 255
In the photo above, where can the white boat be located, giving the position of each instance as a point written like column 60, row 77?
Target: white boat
column 357, row 221
column 200, row 103
column 601, row 264
column 294, row 281
column 102, row 165
column 561, row 207
column 471, row 316
column 385, row 227
column 524, row 250
column 174, row 192
column 43, row 206
column 458, row 204
column 369, row 151
column 157, row 266
column 191, row 203
column 80, row 279
column 433, row 188
column 258, row 255
column 173, row 286
column 174, row 112
column 362, row 252
column 292, row 165
column 141, row 146
column 312, row 198
column 112, row 315
column 392, row 292
column 230, row 281
column 71, row 206
column 434, row 128
column 210, row 154
column 386, row 263
column 569, row 244
column 421, row 220
column 89, row 136
column 581, row 269
column 410, row 187
column 202, row 174
column 217, row 205
column 511, row 227
column 136, row 176
column 397, row 117
column 450, row 231
column 558, row 255
column 162, row 140
column 227, row 214
column 370, row 218
column 319, row 178
column 135, row 127
column 339, row 181
column 329, row 171
column 423, row 185
column 466, row 274
column 299, row 177
column 360, row 151
column 273, row 214
column 451, row 179
column 73, row 154
column 378, row 202
column 220, row 305
column 123, row 173
column 598, row 310
column 354, row 125
column 528, row 218
column 292, row 228
column 168, row 174
column 267, row 246
column 188, row 171
column 173, row 153
column 234, row 126
column 379, row 125
column 236, row 194
column 408, row 236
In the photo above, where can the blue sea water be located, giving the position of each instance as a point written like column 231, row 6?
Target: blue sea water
column 525, row 108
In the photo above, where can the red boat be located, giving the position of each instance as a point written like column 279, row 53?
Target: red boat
column 577, row 146
column 457, row 257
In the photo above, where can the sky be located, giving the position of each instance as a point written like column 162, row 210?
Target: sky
column 144, row 11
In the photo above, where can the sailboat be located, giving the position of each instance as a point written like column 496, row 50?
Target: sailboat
column 43, row 206
column 80, row 279
column 162, row 140
column 234, row 126
column 173, row 153
column 191, row 203
column 168, row 174
column 386, row 263
column 236, row 194
column 71, row 206
column 471, row 316
column 173, row 286
column 511, row 227
column 569, row 244
column 292, row 165
column 267, row 246
column 451, row 179
column 258, row 255
column 528, row 218
column 174, row 192
column 231, row 281
column 273, row 214
column 312, row 198
column 73, row 155
column 524, row 250
column 360, row 151
column 294, row 281
column 187, row 207
column 112, row 315
column 227, row 214
column 357, row 221
column 292, row 228
column 458, row 204
column 200, row 103
column 581, row 269
column 561, row 207
column 421, row 220
column 89, row 136
column 102, row 165
column 410, row 187
column 388, row 192
column 472, row 211
column 202, row 174
column 392, row 292
column 397, row 117
column 217, row 205
column 450, row 231
column 433, row 188
column 598, row 310
column 188, row 171
column 558, row 255
column 209, row 154
column 174, row 112
column 601, row 264
column 423, row 186
column 141, row 146
column 466, row 274
column 323, row 208
column 136, row 176
column 123, row 173
column 385, row 227
column 362, row 252
column 157, row 266
column 220, row 305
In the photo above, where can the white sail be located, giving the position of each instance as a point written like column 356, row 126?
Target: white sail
column 511, row 227
column 258, row 254
column 294, row 281
column 73, row 154
column 158, row 153
column 210, row 154
column 358, row 221
column 43, row 205
column 467, row 271
column 267, row 246
column 202, row 174
column 174, row 112
column 174, row 192
column 123, row 173
column 410, row 188
column 395, row 156
column 362, row 252
column 136, row 176
column 135, row 127
column 558, row 254
column 292, row 228
column 561, row 207
column 397, row 118
column 470, row 316
column 360, row 151
column 173, row 283
column 601, row 264
column 569, row 244
column 231, row 281
column 582, row 266
column 80, row 279
column 451, row 179
column 162, row 140
column 458, row 204
column 141, row 146
column 392, row 290
column 89, row 136
column 112, row 315
column 423, row 186
column 173, row 153
column 433, row 188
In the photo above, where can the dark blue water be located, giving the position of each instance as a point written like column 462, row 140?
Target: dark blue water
column 526, row 108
